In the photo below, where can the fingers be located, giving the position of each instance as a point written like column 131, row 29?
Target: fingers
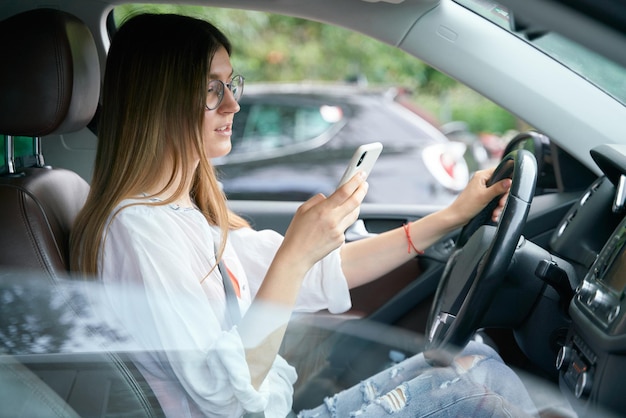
column 346, row 206
column 503, row 200
column 312, row 202
column 350, row 218
column 503, row 185
column 477, row 195
column 485, row 174
column 500, row 208
column 500, row 188
column 319, row 223
column 350, row 196
column 350, row 187
column 339, row 210
column 496, row 189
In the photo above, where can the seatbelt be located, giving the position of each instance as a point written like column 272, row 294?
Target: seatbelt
column 232, row 308
column 232, row 305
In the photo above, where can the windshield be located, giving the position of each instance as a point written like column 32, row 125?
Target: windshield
column 595, row 68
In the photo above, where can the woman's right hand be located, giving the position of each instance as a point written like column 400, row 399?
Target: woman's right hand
column 319, row 223
column 317, row 228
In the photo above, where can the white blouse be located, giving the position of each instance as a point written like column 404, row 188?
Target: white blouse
column 161, row 257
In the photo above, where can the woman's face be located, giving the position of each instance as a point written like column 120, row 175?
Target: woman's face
column 218, row 123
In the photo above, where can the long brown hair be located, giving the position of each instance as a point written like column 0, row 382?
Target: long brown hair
column 153, row 99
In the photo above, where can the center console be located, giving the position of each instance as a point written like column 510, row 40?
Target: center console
column 595, row 349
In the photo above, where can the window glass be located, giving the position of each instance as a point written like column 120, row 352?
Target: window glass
column 604, row 73
column 270, row 126
column 23, row 149
column 435, row 131
column 3, row 156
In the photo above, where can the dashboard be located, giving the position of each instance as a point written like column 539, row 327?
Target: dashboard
column 592, row 360
column 585, row 268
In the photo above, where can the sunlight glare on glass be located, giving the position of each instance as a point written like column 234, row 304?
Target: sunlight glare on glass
column 331, row 114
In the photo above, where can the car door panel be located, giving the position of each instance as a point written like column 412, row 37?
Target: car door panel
column 403, row 296
column 385, row 296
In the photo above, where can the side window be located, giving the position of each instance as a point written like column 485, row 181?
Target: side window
column 271, row 127
column 23, row 149
column 3, row 153
column 288, row 120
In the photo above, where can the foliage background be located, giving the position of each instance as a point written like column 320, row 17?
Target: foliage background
column 273, row 48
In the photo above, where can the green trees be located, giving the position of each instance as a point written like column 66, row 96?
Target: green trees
column 275, row 48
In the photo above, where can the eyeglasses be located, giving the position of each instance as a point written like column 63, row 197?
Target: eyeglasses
column 215, row 94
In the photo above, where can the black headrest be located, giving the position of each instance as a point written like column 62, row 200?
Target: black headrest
column 50, row 74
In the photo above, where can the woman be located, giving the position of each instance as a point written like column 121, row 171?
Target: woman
column 156, row 220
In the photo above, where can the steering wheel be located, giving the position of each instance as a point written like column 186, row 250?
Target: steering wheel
column 478, row 264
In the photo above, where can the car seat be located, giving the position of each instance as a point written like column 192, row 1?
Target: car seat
column 50, row 83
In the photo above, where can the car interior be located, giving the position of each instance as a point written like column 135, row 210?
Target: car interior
column 544, row 285
column 39, row 204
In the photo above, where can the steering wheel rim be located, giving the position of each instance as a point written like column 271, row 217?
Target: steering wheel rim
column 477, row 266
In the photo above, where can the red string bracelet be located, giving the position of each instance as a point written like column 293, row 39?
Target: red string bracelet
column 410, row 241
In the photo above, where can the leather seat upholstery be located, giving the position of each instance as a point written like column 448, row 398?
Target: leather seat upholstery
column 37, row 210
column 49, row 84
column 50, row 81
column 50, row 77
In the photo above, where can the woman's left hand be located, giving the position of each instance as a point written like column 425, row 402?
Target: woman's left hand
column 477, row 195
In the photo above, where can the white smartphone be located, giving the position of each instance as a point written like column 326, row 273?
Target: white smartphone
column 363, row 159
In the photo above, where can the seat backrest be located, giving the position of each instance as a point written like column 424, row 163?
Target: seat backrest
column 50, row 83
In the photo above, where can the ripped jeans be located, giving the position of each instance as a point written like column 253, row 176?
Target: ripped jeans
column 477, row 384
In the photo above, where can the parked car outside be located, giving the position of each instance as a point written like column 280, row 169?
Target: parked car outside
column 291, row 141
